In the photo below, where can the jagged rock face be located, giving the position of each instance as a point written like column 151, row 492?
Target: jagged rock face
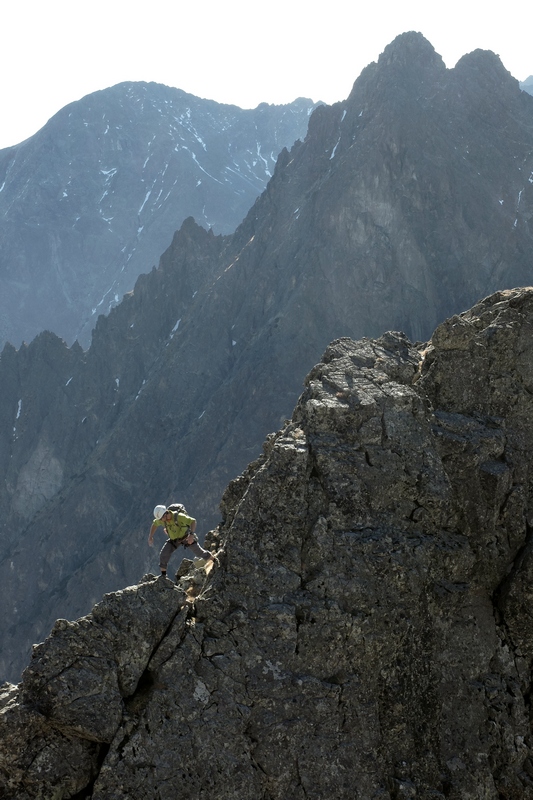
column 367, row 631
column 93, row 199
column 404, row 203
column 73, row 695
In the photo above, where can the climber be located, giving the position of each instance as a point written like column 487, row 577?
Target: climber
column 180, row 529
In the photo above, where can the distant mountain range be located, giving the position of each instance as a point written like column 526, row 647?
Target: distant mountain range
column 404, row 205
column 527, row 85
column 94, row 198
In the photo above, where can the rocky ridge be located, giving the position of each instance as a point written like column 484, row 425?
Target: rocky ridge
column 404, row 204
column 367, row 632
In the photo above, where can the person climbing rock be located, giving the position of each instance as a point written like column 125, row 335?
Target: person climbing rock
column 180, row 529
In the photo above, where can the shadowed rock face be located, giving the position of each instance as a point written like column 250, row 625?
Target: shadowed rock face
column 367, row 632
column 404, row 205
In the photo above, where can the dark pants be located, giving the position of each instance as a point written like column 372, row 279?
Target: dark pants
column 172, row 544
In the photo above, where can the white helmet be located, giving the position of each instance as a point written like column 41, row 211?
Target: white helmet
column 159, row 511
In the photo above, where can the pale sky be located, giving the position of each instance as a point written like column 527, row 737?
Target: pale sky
column 238, row 51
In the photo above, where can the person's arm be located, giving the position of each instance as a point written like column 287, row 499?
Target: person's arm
column 190, row 538
column 151, row 534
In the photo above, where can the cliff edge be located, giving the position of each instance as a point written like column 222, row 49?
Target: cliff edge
column 367, row 632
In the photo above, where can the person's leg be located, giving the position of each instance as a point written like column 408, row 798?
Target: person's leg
column 164, row 556
column 199, row 551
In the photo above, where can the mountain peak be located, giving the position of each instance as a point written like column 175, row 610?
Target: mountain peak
column 485, row 70
column 114, row 174
column 406, row 63
column 410, row 48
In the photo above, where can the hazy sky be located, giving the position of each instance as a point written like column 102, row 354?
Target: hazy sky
column 237, row 51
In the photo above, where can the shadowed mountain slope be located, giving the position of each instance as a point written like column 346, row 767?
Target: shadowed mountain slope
column 93, row 199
